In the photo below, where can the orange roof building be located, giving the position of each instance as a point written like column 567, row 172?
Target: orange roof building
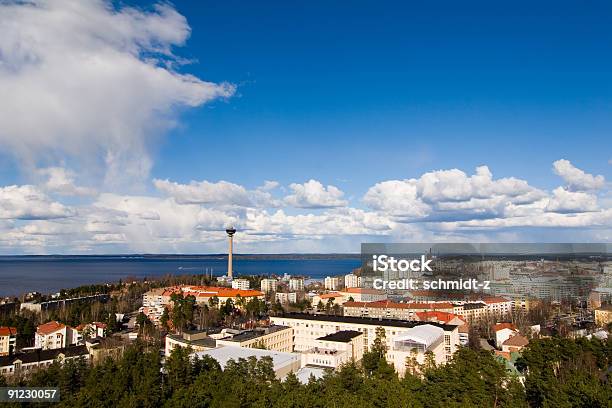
column 7, row 331
column 49, row 327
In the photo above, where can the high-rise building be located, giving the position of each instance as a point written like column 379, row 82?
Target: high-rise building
column 331, row 283
column 296, row 284
column 242, row 284
column 352, row 281
column 268, row 285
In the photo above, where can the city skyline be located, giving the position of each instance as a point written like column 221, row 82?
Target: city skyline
column 312, row 137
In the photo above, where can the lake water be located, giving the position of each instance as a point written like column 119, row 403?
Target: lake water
column 50, row 274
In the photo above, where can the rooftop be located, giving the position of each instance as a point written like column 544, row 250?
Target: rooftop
column 43, row 355
column 8, row 331
column 516, row 341
column 364, row 291
column 501, row 326
column 253, row 334
column 343, row 336
column 365, row 320
column 427, row 335
column 49, row 327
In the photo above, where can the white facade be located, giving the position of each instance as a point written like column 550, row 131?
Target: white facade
column 503, row 335
column 308, row 328
column 416, row 342
column 268, row 285
column 55, row 335
column 286, row 297
column 242, row 284
column 296, row 284
column 8, row 340
column 332, row 283
column 352, row 281
column 334, row 350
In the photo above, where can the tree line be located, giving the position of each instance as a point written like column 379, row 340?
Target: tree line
column 558, row 373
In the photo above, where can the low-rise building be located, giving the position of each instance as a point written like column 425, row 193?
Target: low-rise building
column 55, row 335
column 363, row 294
column 392, row 310
column 196, row 340
column 91, row 330
column 26, row 363
column 8, row 340
column 503, row 331
column 515, row 343
column 334, row 298
column 335, row 349
column 274, row 337
column 308, row 328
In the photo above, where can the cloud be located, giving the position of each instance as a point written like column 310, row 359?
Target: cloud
column 219, row 193
column 450, row 195
column 93, row 82
column 205, row 192
column 29, row 203
column 61, row 181
column 564, row 201
column 576, row 179
column 313, row 194
column 191, row 218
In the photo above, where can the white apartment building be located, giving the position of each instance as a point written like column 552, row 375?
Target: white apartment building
column 309, row 328
column 403, row 338
column 352, row 281
column 55, row 335
column 8, row 340
column 268, row 285
column 332, row 283
column 335, row 349
column 296, row 284
column 285, row 298
column 242, row 284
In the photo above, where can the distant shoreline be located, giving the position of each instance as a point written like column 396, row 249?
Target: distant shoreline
column 296, row 256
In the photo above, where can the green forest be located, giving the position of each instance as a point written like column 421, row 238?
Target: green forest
column 558, row 373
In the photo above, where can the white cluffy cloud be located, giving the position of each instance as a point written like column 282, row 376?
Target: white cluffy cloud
column 451, row 194
column 313, row 194
column 439, row 205
column 100, row 81
column 220, row 193
column 577, row 179
column 29, row 203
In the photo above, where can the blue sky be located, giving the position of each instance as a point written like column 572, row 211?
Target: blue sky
column 370, row 118
column 454, row 86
